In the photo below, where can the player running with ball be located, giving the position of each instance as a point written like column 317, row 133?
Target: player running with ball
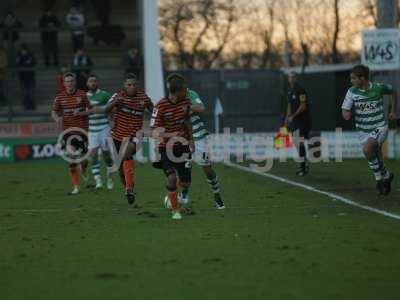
column 171, row 127
column 202, row 151
column 366, row 98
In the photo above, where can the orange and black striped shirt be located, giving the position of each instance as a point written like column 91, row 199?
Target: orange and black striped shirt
column 129, row 114
column 66, row 105
column 171, row 117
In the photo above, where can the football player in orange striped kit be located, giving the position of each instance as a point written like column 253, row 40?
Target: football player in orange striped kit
column 171, row 126
column 66, row 108
column 128, row 107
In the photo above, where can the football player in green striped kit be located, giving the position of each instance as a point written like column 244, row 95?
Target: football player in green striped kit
column 366, row 98
column 201, row 154
column 99, row 132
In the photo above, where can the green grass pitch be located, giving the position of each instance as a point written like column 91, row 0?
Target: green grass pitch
column 274, row 241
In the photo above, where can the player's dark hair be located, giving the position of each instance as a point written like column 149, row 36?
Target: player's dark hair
column 175, row 76
column 93, row 76
column 69, row 74
column 176, row 85
column 360, row 71
column 130, row 76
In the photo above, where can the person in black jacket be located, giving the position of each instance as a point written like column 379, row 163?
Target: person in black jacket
column 298, row 119
column 10, row 23
column 49, row 25
column 81, row 66
column 25, row 59
column 3, row 74
column 132, row 61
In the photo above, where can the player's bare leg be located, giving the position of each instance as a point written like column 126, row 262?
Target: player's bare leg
column 74, row 170
column 74, row 176
column 183, row 197
column 173, row 195
column 83, row 167
column 127, row 172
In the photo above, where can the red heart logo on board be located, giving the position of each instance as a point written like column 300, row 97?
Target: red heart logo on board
column 22, row 152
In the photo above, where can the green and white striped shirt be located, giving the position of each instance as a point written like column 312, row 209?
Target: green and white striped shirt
column 198, row 127
column 98, row 122
column 368, row 105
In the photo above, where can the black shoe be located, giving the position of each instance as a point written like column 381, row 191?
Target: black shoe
column 188, row 211
column 387, row 184
column 301, row 172
column 219, row 203
column 306, row 169
column 380, row 187
column 302, row 169
column 130, row 196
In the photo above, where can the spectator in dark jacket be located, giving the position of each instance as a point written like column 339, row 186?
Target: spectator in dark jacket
column 49, row 25
column 25, row 59
column 10, row 22
column 81, row 65
column 76, row 21
column 3, row 72
column 132, row 62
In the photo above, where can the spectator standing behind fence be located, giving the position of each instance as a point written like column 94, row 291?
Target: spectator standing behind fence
column 132, row 62
column 11, row 22
column 25, row 59
column 81, row 65
column 49, row 25
column 3, row 72
column 76, row 21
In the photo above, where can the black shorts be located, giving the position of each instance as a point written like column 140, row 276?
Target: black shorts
column 303, row 130
column 180, row 162
column 118, row 145
column 77, row 140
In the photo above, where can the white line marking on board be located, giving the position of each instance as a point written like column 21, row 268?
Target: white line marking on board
column 315, row 190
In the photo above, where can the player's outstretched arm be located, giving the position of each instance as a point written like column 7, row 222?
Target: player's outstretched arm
column 197, row 105
column 346, row 114
column 288, row 113
column 98, row 109
column 149, row 106
column 347, row 105
column 55, row 116
column 302, row 108
column 108, row 107
column 198, row 108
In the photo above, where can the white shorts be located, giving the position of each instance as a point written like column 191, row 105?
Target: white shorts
column 99, row 139
column 201, row 154
column 379, row 134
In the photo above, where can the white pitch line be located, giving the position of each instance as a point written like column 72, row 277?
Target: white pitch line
column 315, row 190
